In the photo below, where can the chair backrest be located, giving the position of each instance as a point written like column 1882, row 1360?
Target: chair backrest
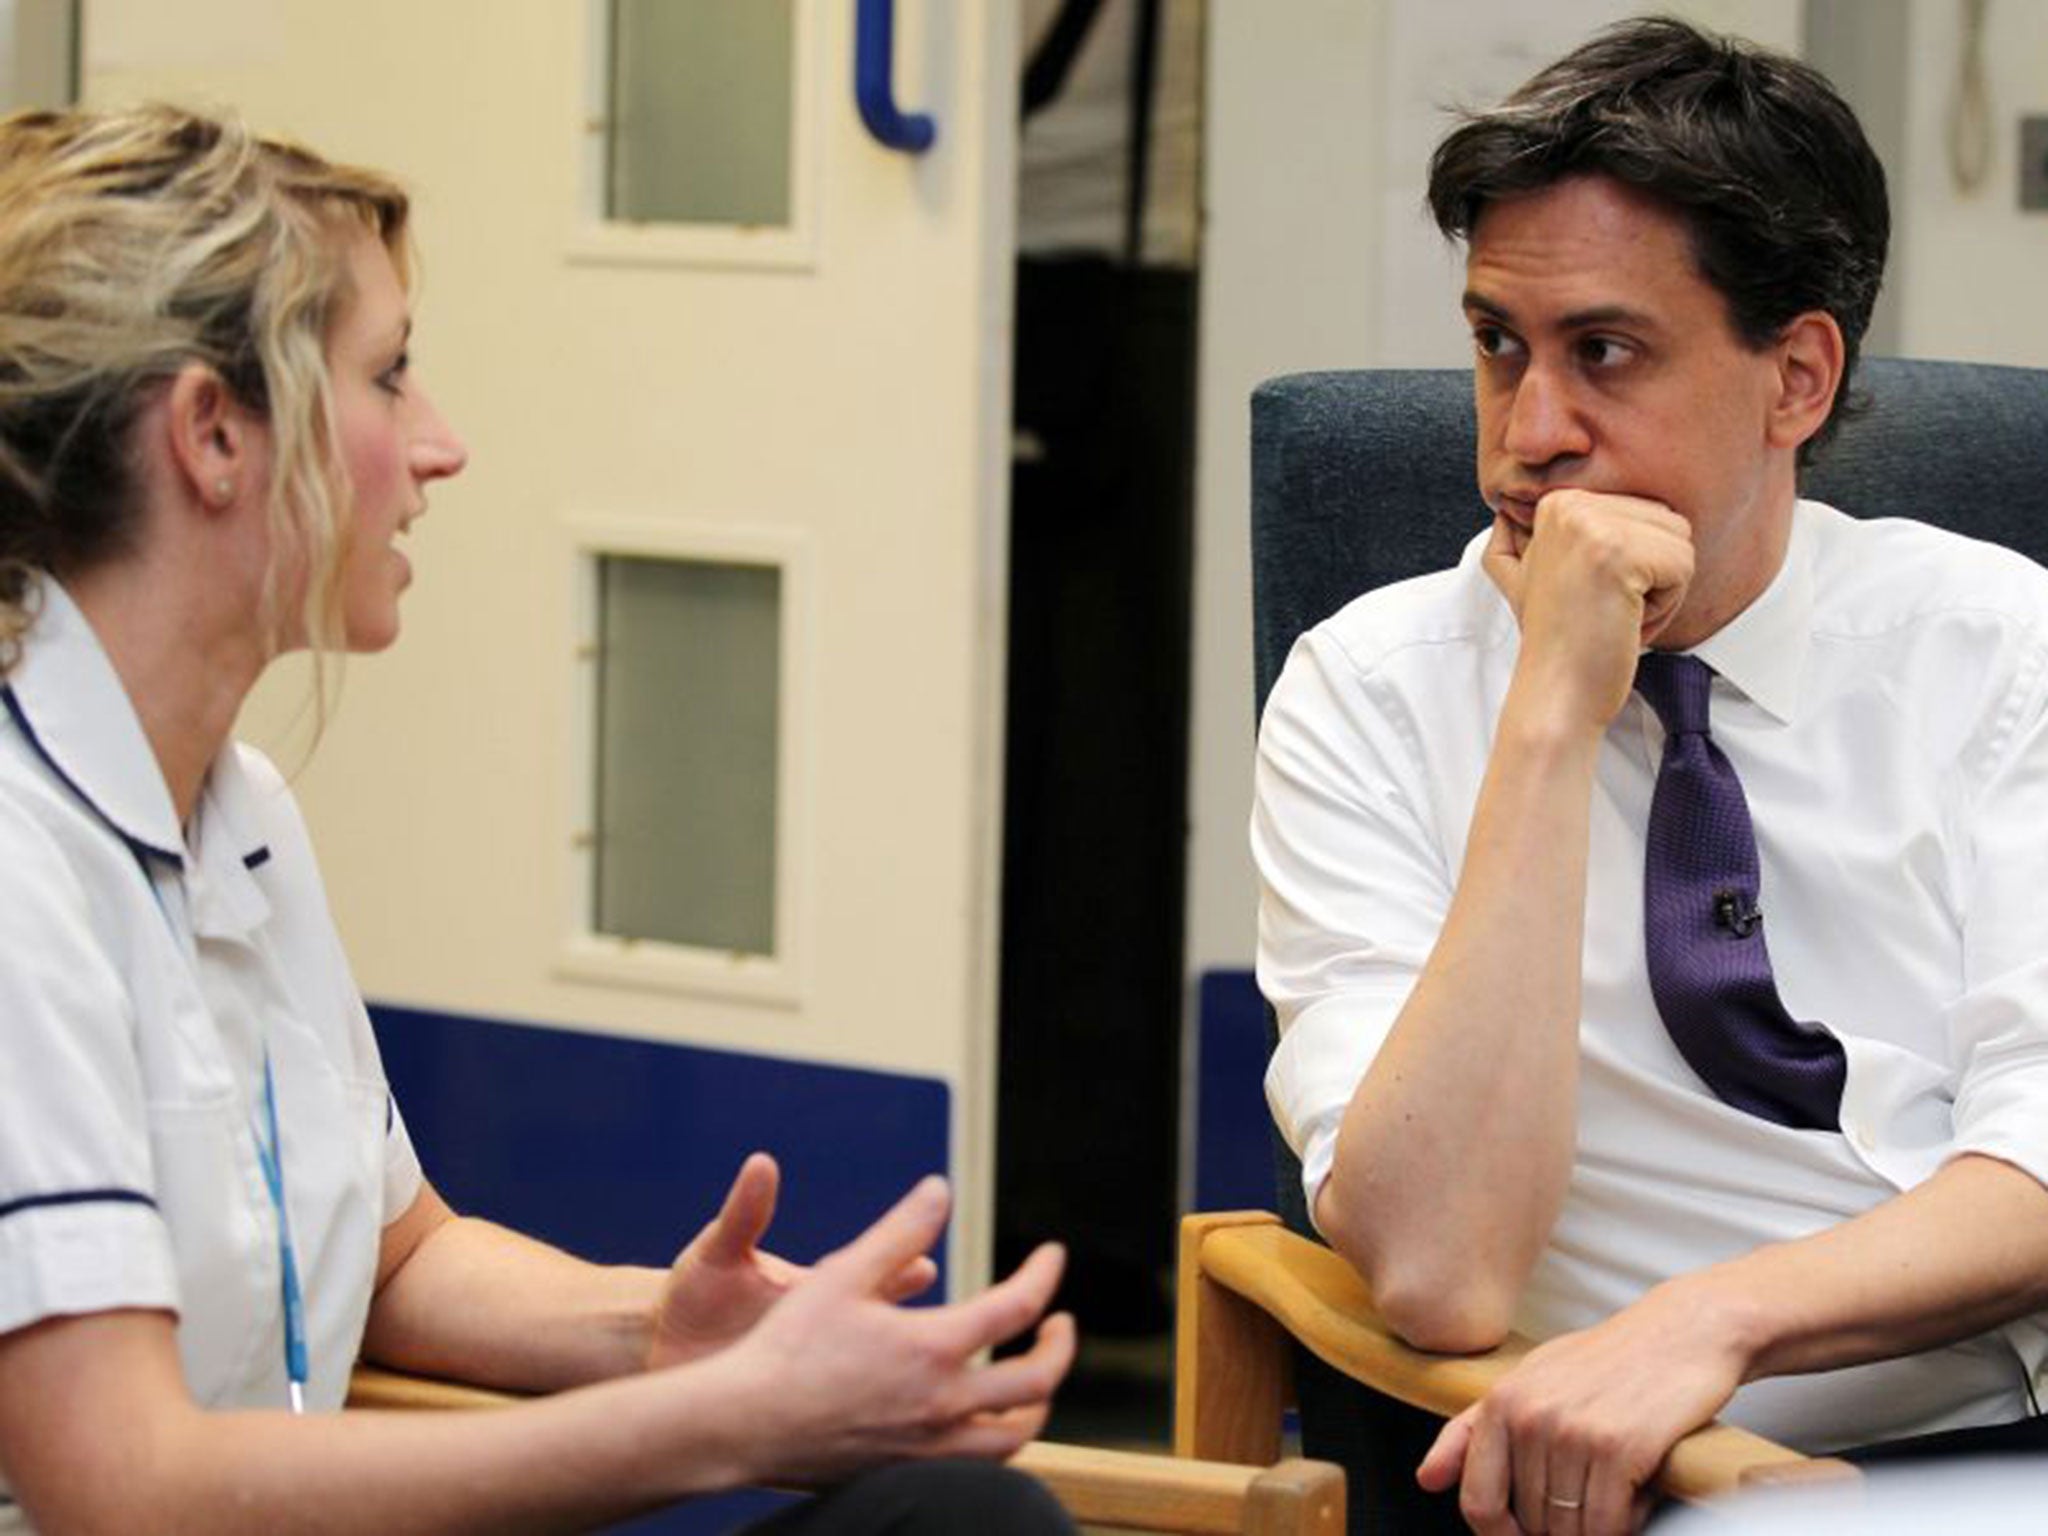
column 1366, row 477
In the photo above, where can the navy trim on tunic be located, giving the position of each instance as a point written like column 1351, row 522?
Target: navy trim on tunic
column 135, row 844
column 77, row 1197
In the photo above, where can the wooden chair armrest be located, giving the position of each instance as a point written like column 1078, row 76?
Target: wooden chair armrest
column 1318, row 1298
column 372, row 1386
column 1124, row 1490
column 1138, row 1490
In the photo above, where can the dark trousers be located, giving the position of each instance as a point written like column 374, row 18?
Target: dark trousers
column 927, row 1498
column 2028, row 1435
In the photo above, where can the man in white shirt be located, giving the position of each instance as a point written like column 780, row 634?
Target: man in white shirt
column 1674, row 243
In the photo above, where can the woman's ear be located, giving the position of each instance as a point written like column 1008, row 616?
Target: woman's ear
column 210, row 439
column 1810, row 355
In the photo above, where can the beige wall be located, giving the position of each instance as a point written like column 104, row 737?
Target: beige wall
column 1972, row 268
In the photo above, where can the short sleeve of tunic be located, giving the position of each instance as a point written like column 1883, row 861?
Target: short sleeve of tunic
column 79, row 1228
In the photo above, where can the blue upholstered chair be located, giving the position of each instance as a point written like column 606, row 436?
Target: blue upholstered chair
column 1363, row 478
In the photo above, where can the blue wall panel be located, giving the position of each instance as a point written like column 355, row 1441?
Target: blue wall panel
column 1233, row 1131
column 621, row 1149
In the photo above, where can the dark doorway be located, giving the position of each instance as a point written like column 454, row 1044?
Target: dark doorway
column 1096, row 776
column 1095, row 815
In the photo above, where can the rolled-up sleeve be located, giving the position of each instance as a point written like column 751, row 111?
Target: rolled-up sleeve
column 1998, row 1027
column 1353, row 885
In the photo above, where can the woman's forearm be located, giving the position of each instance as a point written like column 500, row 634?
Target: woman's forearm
column 476, row 1302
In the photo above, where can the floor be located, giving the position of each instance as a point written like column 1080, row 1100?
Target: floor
column 1119, row 1394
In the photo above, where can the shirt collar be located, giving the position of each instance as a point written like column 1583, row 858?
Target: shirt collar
column 70, row 704
column 227, row 901
column 1762, row 650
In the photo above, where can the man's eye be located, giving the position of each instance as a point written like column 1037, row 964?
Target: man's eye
column 1604, row 351
column 1492, row 341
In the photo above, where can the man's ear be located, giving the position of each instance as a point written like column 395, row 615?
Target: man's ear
column 211, row 447
column 1809, row 356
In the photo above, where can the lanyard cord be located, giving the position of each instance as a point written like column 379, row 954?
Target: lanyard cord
column 270, row 1155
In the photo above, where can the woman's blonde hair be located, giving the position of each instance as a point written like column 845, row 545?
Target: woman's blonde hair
column 132, row 244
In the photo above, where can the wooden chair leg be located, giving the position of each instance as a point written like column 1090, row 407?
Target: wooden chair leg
column 1297, row 1498
column 1230, row 1360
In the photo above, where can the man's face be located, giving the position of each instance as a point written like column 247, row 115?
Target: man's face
column 1607, row 363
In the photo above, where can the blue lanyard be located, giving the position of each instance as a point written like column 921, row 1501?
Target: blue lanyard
column 270, row 1154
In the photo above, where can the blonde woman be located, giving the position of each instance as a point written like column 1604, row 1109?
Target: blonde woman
column 211, row 446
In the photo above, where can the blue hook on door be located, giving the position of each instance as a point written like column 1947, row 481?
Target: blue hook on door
column 874, row 50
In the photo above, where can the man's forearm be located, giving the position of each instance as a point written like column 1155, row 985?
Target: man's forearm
column 1960, row 1254
column 1964, row 1252
column 1455, row 1151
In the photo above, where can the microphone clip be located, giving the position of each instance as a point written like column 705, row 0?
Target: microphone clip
column 1737, row 914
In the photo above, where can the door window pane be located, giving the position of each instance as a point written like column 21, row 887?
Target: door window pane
column 702, row 97
column 688, row 703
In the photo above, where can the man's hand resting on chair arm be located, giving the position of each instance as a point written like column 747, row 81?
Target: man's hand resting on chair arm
column 1591, row 1415
column 1445, row 1225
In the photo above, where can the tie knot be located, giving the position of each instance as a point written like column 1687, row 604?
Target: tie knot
column 1677, row 688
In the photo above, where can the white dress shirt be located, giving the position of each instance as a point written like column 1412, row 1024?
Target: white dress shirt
column 1885, row 703
column 144, row 969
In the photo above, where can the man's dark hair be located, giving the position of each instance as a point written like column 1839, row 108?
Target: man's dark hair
column 1765, row 163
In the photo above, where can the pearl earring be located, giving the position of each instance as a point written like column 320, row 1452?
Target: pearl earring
column 223, row 490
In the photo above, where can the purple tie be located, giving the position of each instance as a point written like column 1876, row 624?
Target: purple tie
column 1703, row 933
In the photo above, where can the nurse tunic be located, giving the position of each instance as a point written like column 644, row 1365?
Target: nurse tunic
column 145, row 972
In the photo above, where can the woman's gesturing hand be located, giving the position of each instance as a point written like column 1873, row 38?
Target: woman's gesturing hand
column 840, row 1377
column 723, row 1282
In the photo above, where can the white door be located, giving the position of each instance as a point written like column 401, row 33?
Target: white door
column 804, row 400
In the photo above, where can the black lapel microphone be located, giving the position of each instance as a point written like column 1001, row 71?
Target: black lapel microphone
column 1737, row 914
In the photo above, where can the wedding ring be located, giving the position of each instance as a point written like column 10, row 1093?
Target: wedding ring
column 1556, row 1503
